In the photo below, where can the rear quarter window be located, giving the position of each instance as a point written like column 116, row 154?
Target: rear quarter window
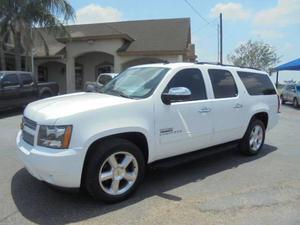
column 257, row 83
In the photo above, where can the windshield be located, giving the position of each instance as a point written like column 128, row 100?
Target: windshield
column 135, row 82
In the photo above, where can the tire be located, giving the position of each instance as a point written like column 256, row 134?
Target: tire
column 114, row 174
column 252, row 145
column 45, row 95
column 295, row 103
column 282, row 100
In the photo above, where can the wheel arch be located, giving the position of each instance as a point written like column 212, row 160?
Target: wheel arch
column 262, row 116
column 137, row 138
column 45, row 90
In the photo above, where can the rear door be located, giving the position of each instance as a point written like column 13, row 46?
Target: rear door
column 228, row 109
column 29, row 91
column 186, row 125
column 10, row 91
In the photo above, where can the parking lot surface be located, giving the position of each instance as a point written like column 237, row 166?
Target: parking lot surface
column 227, row 188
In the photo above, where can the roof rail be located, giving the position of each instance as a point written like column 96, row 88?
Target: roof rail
column 209, row 63
column 220, row 64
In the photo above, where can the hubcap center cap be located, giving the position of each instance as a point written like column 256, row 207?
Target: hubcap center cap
column 119, row 172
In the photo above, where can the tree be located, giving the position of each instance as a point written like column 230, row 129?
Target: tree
column 2, row 55
column 20, row 17
column 255, row 54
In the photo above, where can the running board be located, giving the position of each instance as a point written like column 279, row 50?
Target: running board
column 191, row 156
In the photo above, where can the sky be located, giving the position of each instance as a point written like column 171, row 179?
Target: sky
column 276, row 22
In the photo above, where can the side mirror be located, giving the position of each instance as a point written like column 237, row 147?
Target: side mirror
column 176, row 94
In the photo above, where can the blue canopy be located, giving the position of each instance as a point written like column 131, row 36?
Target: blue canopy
column 292, row 65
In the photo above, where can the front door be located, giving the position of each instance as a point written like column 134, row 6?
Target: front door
column 228, row 108
column 187, row 125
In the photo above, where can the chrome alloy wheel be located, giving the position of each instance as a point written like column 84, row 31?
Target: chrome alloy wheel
column 118, row 173
column 256, row 137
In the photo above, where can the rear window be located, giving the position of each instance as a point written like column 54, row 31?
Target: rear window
column 223, row 83
column 257, row 83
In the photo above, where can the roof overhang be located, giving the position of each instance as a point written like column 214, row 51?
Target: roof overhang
column 50, row 57
column 98, row 37
column 151, row 53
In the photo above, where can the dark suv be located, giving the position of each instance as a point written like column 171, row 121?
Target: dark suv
column 18, row 88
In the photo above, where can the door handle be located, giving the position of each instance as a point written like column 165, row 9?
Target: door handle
column 204, row 110
column 238, row 106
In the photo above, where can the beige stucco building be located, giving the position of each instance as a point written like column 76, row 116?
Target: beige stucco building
column 110, row 47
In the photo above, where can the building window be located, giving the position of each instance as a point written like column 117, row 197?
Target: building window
column 42, row 73
column 78, row 77
column 103, row 68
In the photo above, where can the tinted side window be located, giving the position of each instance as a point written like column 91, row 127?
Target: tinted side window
column 223, row 83
column 26, row 79
column 10, row 80
column 191, row 79
column 257, row 83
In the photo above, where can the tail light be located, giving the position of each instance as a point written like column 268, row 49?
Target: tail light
column 278, row 104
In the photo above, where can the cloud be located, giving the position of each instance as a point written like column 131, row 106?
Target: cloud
column 268, row 33
column 288, row 46
column 286, row 12
column 231, row 11
column 97, row 14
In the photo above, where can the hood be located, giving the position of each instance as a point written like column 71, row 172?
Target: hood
column 51, row 109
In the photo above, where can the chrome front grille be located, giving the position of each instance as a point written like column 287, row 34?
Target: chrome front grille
column 29, row 130
column 27, row 137
column 29, row 123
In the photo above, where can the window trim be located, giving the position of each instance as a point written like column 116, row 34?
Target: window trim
column 212, row 87
column 190, row 101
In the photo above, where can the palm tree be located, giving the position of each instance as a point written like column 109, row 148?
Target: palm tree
column 2, row 55
column 20, row 17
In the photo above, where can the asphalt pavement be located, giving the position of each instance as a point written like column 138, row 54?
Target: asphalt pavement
column 226, row 188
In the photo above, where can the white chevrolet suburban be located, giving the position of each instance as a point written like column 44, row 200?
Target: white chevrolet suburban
column 103, row 141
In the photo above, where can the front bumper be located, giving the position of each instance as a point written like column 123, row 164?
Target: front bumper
column 58, row 167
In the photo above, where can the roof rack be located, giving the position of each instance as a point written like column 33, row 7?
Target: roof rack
column 220, row 64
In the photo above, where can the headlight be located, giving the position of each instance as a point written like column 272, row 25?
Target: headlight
column 55, row 136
